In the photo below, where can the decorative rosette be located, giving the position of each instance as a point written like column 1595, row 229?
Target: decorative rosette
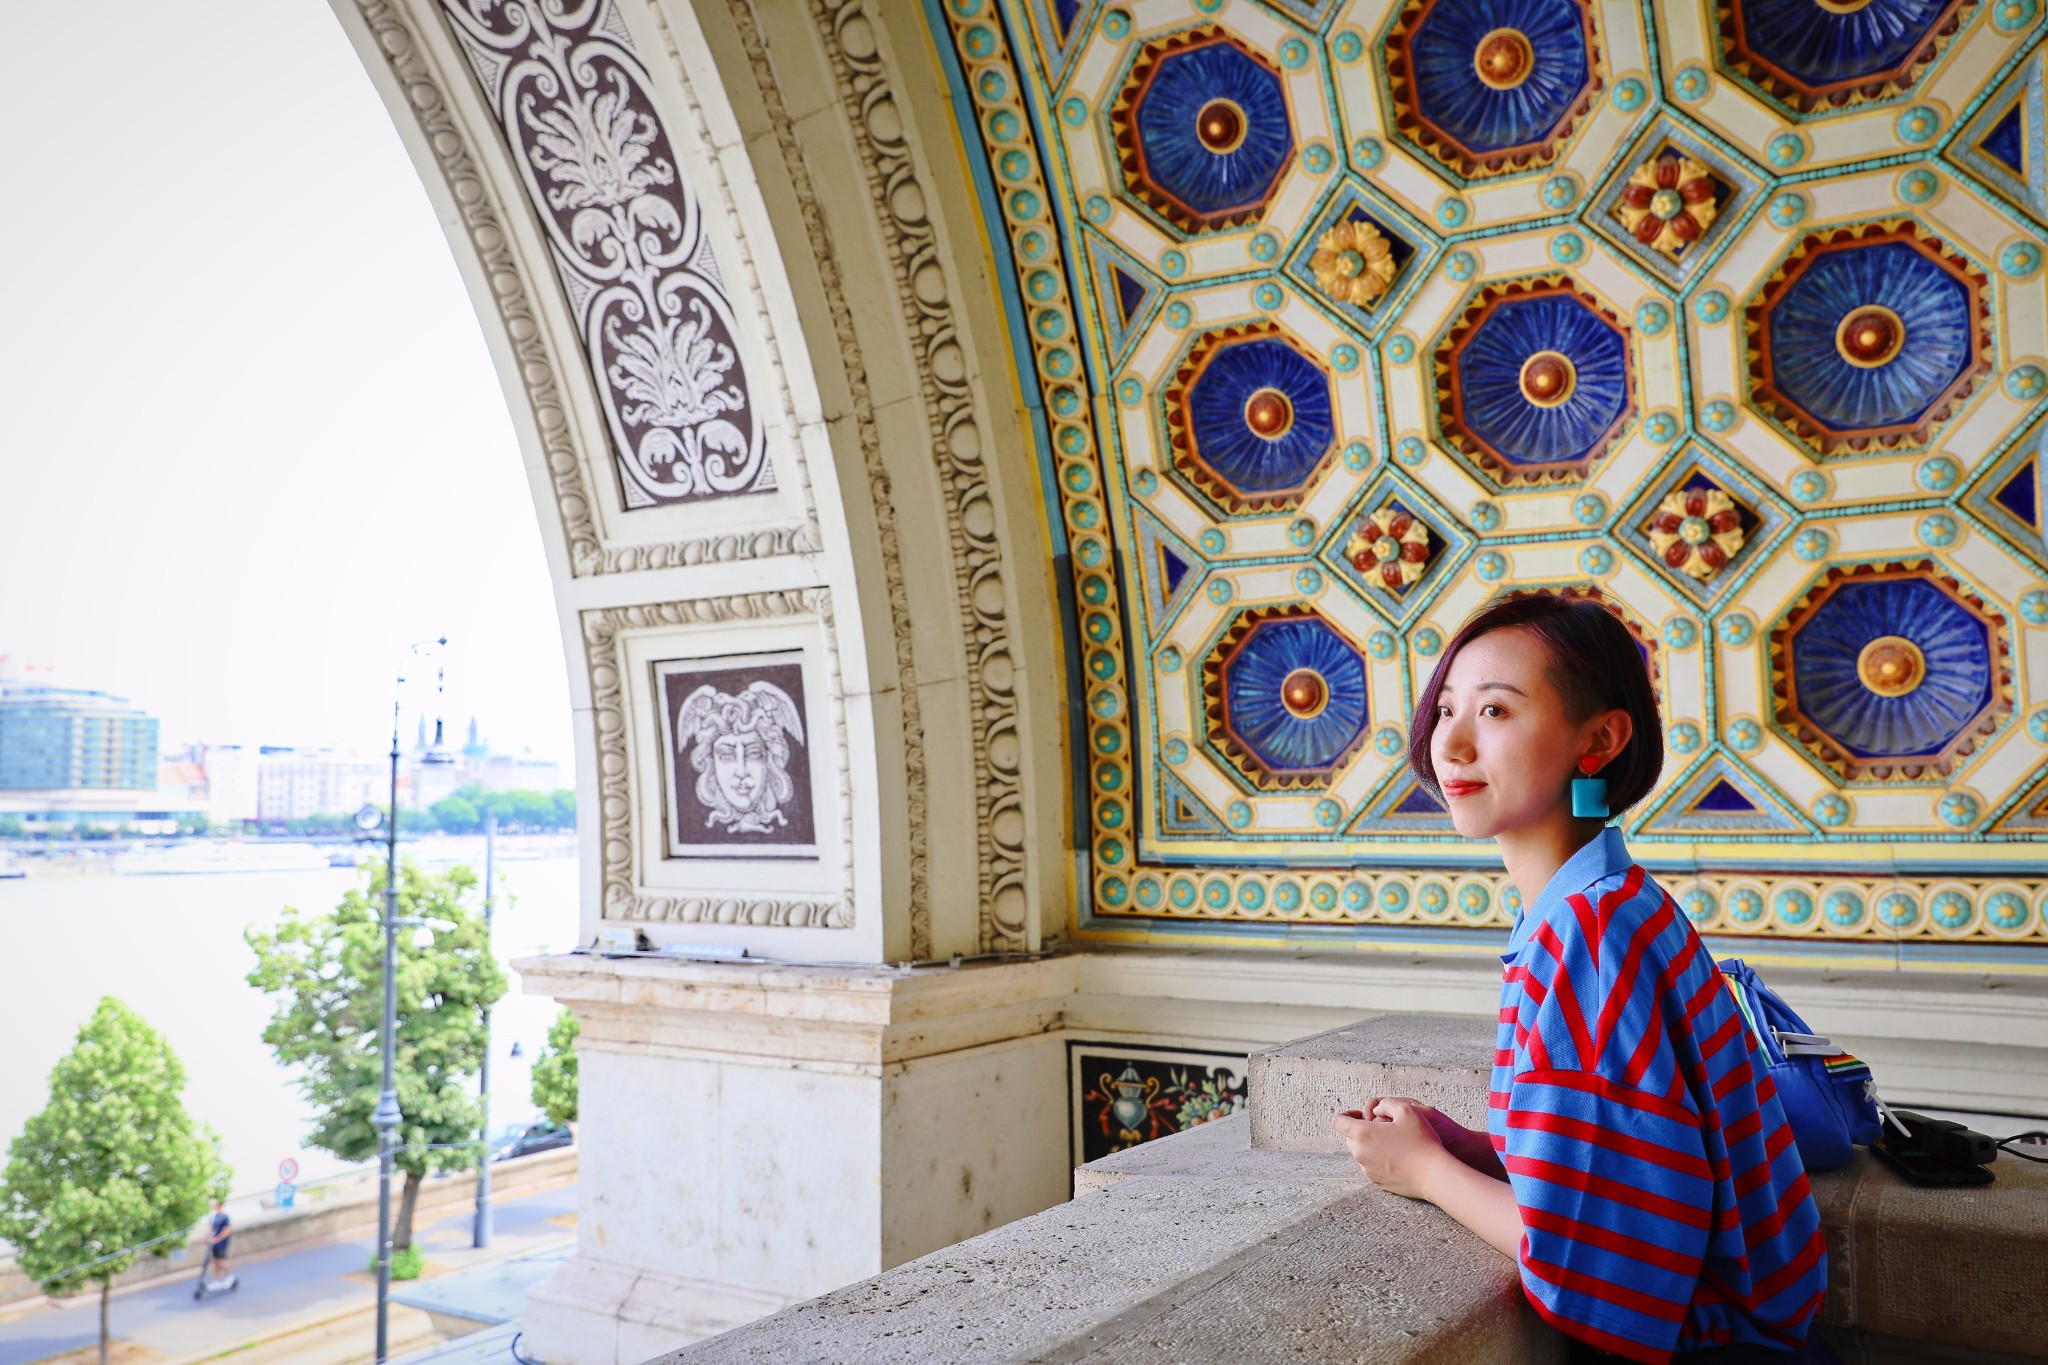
column 1535, row 381
column 1869, row 338
column 1202, row 129
column 1285, row 695
column 1390, row 547
column 1697, row 531
column 1669, row 203
column 1488, row 87
column 1891, row 671
column 1250, row 417
column 1353, row 263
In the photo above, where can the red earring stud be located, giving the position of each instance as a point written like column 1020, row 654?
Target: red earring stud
column 1589, row 793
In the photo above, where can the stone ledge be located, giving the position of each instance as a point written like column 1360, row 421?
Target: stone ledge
column 1301, row 1259
column 1296, row 1087
column 1967, row 1268
column 1260, row 1222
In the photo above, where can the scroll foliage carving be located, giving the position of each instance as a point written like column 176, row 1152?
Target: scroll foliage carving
column 512, row 299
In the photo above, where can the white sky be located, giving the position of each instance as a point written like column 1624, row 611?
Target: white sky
column 253, row 442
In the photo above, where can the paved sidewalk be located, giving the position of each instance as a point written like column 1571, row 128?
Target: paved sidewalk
column 493, row 1294
column 283, row 1290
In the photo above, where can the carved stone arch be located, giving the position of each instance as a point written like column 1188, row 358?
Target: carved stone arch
column 891, row 537
column 885, row 249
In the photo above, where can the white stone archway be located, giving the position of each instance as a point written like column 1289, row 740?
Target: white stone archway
column 872, row 548
column 893, row 511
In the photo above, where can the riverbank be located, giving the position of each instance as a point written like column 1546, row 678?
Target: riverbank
column 171, row 947
column 197, row 855
column 308, row 1304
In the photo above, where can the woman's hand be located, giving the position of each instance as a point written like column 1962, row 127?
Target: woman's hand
column 1394, row 1143
column 1473, row 1148
column 1401, row 1147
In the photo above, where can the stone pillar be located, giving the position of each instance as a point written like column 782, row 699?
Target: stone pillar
column 754, row 1135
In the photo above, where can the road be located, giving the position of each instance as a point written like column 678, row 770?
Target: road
column 280, row 1288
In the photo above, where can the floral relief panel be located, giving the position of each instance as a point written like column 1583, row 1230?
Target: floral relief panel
column 570, row 96
column 1345, row 319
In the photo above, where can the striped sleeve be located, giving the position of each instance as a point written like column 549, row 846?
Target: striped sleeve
column 1615, row 1192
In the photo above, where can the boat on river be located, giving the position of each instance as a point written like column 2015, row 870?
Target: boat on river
column 221, row 856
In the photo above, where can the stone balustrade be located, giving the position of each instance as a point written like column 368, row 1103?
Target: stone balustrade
column 1255, row 1239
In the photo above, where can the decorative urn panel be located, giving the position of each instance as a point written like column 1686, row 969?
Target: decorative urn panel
column 1344, row 320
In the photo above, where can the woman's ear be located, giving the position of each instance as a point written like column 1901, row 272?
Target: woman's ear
column 1610, row 734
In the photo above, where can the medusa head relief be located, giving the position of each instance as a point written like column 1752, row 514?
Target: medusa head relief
column 738, row 759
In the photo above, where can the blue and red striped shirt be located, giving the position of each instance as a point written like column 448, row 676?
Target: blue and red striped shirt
column 1664, row 1207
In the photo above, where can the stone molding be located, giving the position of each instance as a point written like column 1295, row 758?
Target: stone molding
column 527, row 334
column 1929, row 1036
column 843, row 1020
column 876, row 122
column 622, row 899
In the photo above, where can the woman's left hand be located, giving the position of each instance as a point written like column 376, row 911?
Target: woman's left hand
column 1393, row 1143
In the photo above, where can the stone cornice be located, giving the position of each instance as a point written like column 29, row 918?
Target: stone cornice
column 849, row 1019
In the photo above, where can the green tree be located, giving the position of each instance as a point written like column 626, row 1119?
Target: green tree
column 554, row 1071
column 327, row 974
column 565, row 808
column 113, row 1163
column 455, row 815
column 528, row 810
column 10, row 827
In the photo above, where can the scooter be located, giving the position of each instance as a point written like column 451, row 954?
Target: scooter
column 208, row 1286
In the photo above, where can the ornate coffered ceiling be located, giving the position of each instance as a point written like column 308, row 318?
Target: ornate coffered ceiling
column 1345, row 319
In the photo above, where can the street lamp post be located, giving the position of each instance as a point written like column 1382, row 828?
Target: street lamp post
column 386, row 1117
column 483, row 1163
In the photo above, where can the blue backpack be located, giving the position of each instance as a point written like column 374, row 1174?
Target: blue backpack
column 1830, row 1098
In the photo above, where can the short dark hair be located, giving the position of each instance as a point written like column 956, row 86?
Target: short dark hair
column 1595, row 664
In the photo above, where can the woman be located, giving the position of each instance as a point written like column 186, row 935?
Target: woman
column 1637, row 1164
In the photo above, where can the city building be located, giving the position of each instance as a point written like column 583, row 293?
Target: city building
column 293, row 784
column 1007, row 469
column 433, row 771
column 74, row 758
column 69, row 738
column 230, row 773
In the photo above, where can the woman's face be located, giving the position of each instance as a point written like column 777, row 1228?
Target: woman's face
column 1505, row 748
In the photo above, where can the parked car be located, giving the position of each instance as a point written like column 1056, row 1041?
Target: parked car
column 535, row 1137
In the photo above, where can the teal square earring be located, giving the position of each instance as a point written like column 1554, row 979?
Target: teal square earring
column 1589, row 793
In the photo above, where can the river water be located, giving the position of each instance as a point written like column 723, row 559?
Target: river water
column 171, row 948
